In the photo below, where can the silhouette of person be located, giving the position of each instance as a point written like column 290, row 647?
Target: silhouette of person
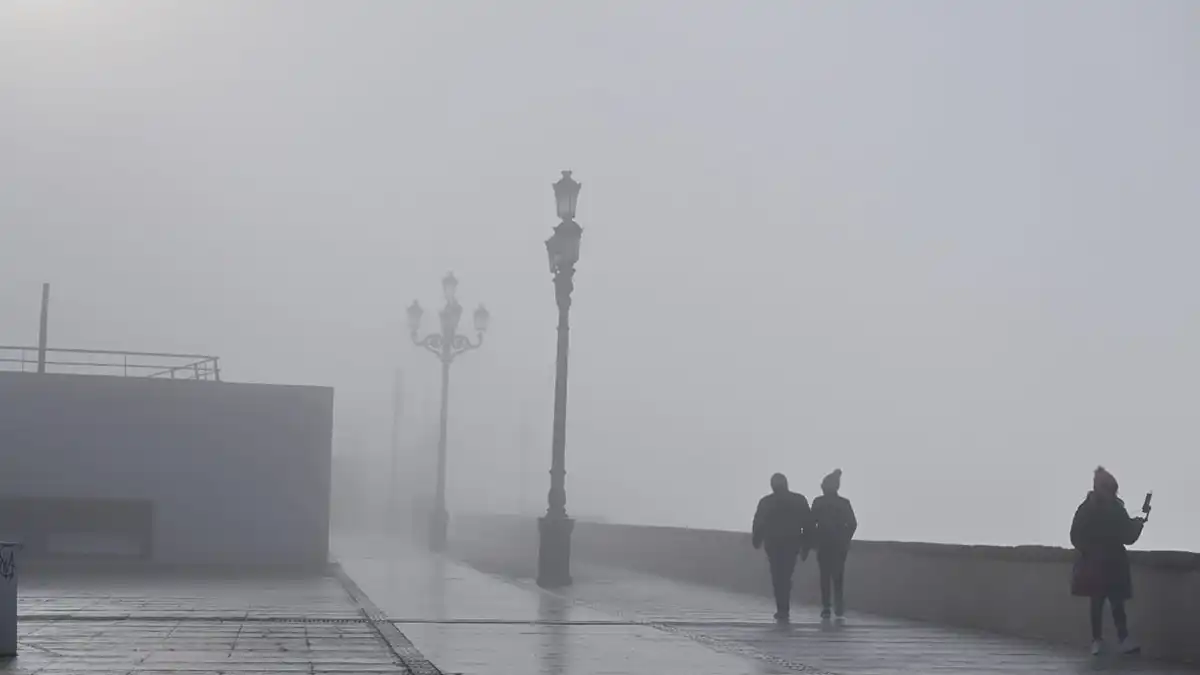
column 781, row 525
column 835, row 525
column 1100, row 532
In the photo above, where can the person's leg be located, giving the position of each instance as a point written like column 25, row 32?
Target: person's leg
column 1119, row 618
column 787, row 568
column 1097, row 616
column 839, row 582
column 826, row 568
column 777, row 581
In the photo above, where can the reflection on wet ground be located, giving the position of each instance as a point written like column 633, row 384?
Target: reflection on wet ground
column 614, row 621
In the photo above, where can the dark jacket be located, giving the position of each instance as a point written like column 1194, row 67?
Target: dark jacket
column 1100, row 532
column 782, row 518
column 835, row 522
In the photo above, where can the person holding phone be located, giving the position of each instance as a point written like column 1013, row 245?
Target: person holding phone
column 1100, row 532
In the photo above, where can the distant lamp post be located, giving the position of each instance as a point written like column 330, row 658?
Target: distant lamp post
column 554, row 529
column 446, row 345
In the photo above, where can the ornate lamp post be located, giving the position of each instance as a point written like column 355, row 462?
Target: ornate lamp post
column 554, row 549
column 446, row 345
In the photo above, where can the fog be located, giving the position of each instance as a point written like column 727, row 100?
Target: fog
column 948, row 247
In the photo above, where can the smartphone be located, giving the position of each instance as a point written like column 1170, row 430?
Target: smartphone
column 1146, row 504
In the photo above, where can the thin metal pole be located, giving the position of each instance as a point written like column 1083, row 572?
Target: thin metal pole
column 440, row 516
column 558, row 459
column 42, row 330
column 523, row 439
column 554, row 545
column 397, row 398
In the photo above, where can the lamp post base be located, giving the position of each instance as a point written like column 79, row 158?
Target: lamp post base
column 554, row 551
column 439, row 524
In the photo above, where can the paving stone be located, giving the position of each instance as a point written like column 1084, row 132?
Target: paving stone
column 171, row 624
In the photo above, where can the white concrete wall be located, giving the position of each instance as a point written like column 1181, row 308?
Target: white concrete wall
column 237, row 473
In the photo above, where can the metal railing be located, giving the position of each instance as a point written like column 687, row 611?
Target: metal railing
column 106, row 362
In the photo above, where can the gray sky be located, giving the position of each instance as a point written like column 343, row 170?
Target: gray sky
column 948, row 247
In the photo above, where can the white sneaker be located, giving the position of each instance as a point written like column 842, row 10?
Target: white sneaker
column 1097, row 647
column 1128, row 646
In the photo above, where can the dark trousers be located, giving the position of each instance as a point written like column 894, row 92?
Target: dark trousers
column 782, row 558
column 832, row 561
column 1118, row 614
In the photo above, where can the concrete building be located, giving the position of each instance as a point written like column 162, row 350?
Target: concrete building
column 165, row 471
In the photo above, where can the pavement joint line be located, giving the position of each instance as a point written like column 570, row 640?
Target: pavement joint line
column 512, row 622
column 201, row 618
column 24, row 644
column 228, row 618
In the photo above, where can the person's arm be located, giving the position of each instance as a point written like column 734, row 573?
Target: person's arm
column 808, row 527
column 851, row 522
column 1132, row 530
column 1077, row 526
column 756, row 531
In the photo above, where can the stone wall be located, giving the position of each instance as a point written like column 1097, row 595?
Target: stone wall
column 1020, row 591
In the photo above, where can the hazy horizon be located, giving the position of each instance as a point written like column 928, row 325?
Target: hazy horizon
column 946, row 247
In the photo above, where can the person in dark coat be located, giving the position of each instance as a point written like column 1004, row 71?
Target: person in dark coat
column 835, row 526
column 1100, row 532
column 781, row 525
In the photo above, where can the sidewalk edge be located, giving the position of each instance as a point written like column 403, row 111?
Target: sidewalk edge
column 399, row 644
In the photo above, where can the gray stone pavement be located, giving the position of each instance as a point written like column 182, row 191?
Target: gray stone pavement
column 614, row 621
column 169, row 624
column 611, row 622
column 473, row 623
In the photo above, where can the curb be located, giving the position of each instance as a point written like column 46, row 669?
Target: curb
column 400, row 646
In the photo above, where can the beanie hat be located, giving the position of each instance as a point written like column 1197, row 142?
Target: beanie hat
column 1103, row 481
column 833, row 481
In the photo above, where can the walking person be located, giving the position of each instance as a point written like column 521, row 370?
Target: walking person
column 1100, row 532
column 782, row 524
column 835, row 526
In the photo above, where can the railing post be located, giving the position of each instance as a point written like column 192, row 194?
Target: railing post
column 216, row 368
column 44, row 325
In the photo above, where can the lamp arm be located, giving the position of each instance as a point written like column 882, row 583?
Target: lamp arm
column 433, row 342
column 461, row 344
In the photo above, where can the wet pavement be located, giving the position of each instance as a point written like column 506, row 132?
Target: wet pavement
column 473, row 623
column 614, row 622
column 401, row 611
column 117, row 624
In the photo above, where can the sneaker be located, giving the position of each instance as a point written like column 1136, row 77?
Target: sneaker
column 782, row 618
column 825, row 614
column 1128, row 646
column 1097, row 647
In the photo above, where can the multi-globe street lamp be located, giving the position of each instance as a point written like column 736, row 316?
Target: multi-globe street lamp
column 446, row 345
column 554, row 529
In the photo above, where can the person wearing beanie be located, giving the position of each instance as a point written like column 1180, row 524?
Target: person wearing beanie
column 1100, row 532
column 781, row 526
column 835, row 527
